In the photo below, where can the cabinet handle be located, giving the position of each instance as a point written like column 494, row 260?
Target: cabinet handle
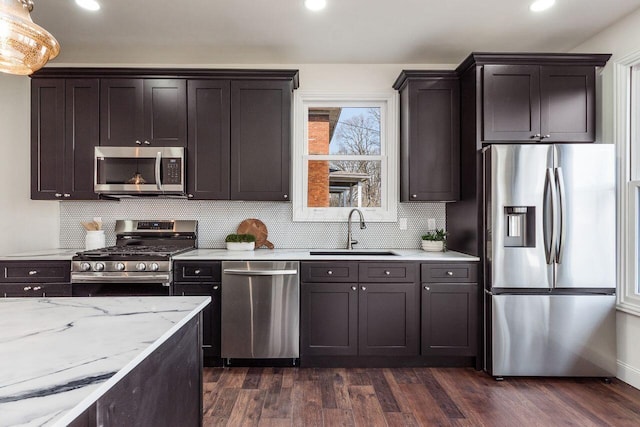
column 329, row 272
column 33, row 272
column 58, row 194
column 138, row 142
column 190, row 196
column 545, row 136
column 146, row 142
column 27, row 288
column 426, row 288
column 67, row 195
column 216, row 287
column 413, row 196
column 196, row 272
column 353, row 288
column 449, row 273
column 537, row 135
column 387, row 272
column 37, row 288
column 286, row 196
column 364, row 288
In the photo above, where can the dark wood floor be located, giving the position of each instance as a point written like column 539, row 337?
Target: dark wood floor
column 410, row 397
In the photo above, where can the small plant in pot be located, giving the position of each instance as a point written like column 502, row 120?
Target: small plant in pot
column 240, row 242
column 434, row 241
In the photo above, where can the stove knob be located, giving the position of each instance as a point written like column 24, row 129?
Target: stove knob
column 120, row 266
column 85, row 266
column 141, row 266
column 154, row 266
column 98, row 266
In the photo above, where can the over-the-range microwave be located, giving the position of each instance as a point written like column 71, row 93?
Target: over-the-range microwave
column 138, row 171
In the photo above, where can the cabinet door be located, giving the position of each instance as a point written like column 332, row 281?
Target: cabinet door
column 209, row 144
column 47, row 139
column 449, row 319
column 567, row 106
column 121, row 112
column 388, row 319
column 260, row 139
column 35, row 290
column 82, row 121
column 329, row 319
column 210, row 315
column 165, row 112
column 511, row 103
column 431, row 153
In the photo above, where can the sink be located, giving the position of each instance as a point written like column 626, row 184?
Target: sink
column 353, row 253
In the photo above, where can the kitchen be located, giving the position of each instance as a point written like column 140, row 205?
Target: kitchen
column 51, row 225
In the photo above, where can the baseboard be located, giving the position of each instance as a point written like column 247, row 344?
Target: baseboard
column 629, row 374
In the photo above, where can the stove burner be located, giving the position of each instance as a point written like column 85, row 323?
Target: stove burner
column 134, row 250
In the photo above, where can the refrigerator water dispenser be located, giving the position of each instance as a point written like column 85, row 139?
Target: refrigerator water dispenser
column 520, row 226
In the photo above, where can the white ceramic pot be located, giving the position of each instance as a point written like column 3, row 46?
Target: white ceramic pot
column 241, row 246
column 433, row 245
column 94, row 240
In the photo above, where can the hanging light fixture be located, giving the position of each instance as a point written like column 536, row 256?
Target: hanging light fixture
column 24, row 46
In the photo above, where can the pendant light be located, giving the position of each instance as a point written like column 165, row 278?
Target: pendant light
column 24, row 46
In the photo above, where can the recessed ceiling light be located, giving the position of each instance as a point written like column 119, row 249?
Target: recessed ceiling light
column 540, row 5
column 92, row 5
column 315, row 4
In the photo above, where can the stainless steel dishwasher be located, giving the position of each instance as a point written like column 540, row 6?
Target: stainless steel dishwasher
column 260, row 310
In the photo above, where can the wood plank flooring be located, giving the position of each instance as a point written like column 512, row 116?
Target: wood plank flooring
column 410, row 397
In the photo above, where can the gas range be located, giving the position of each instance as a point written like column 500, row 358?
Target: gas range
column 142, row 252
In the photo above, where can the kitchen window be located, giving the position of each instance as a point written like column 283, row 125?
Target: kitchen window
column 626, row 135
column 344, row 151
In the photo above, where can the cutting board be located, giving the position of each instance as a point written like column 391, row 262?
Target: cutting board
column 258, row 229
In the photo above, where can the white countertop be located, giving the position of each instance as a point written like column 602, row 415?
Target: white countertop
column 304, row 255
column 42, row 255
column 59, row 355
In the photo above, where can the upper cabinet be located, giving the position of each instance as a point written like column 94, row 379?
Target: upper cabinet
column 143, row 112
column 64, row 130
column 538, row 103
column 429, row 136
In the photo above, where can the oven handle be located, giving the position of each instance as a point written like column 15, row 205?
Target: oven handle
column 103, row 278
column 158, row 167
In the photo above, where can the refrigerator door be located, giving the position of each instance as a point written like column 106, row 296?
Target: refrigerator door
column 586, row 250
column 553, row 335
column 517, row 218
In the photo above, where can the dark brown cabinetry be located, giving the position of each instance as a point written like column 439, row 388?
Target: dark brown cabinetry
column 429, row 136
column 35, row 279
column 260, row 139
column 143, row 112
column 64, row 130
column 193, row 278
column 364, row 309
column 449, row 309
column 538, row 103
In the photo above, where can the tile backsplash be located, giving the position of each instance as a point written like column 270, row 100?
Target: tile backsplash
column 216, row 219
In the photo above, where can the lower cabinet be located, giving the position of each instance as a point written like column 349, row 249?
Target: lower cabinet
column 35, row 279
column 361, row 318
column 39, row 290
column 202, row 278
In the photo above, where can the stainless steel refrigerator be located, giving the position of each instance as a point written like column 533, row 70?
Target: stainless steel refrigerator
column 550, row 260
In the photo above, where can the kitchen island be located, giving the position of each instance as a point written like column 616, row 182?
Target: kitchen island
column 81, row 361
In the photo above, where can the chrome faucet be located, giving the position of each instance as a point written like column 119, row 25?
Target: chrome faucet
column 350, row 241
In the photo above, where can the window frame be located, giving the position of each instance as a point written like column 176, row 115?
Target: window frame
column 626, row 136
column 389, row 147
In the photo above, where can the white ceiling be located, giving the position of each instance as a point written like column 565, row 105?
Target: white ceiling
column 347, row 31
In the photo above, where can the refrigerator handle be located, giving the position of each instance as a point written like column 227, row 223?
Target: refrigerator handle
column 563, row 207
column 549, row 220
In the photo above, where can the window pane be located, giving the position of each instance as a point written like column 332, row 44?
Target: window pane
column 344, row 130
column 344, row 183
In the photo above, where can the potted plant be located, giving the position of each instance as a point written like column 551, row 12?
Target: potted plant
column 240, row 242
column 434, row 241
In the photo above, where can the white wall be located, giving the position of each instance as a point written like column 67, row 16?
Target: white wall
column 24, row 224
column 621, row 39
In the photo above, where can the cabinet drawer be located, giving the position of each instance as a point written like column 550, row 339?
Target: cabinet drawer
column 444, row 273
column 387, row 272
column 193, row 271
column 29, row 272
column 329, row 271
column 39, row 290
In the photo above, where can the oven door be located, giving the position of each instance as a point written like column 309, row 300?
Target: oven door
column 120, row 285
column 139, row 170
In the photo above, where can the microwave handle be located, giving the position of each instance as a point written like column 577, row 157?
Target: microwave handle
column 158, row 166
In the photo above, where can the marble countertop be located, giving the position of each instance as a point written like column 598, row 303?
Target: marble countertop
column 305, row 255
column 42, row 255
column 59, row 355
